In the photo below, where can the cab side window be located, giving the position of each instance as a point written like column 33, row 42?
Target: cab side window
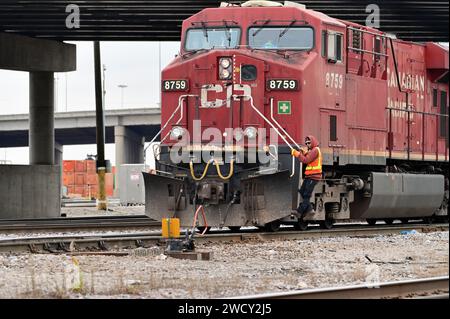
column 334, row 42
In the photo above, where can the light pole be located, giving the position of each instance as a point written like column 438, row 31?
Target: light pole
column 122, row 87
column 104, row 86
column 55, row 95
column 66, row 89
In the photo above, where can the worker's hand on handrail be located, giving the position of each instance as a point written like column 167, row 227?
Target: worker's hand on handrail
column 295, row 153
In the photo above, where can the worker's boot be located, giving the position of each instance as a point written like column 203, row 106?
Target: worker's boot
column 310, row 211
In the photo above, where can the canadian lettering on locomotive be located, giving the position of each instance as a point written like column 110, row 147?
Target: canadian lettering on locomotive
column 253, row 80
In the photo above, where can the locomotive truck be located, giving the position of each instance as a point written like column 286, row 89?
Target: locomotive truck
column 265, row 75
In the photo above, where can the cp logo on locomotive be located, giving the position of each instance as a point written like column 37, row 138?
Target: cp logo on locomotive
column 239, row 89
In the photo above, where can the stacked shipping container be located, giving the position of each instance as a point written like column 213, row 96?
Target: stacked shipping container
column 81, row 179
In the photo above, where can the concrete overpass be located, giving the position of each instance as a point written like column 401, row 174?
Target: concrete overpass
column 75, row 128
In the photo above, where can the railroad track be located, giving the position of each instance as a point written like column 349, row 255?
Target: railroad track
column 428, row 288
column 77, row 224
column 108, row 242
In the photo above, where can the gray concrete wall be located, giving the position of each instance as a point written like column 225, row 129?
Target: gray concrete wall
column 29, row 191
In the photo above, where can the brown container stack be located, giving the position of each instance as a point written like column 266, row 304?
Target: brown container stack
column 80, row 178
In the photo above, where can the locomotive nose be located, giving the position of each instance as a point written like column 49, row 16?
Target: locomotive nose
column 223, row 76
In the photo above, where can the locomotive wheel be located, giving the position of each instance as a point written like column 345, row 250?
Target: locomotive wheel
column 301, row 225
column 371, row 221
column 327, row 223
column 388, row 221
column 234, row 229
column 202, row 228
column 273, row 226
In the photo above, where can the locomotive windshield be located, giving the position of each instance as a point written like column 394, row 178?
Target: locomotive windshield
column 209, row 38
column 282, row 38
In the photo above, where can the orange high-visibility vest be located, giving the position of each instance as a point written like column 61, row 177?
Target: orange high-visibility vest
column 315, row 167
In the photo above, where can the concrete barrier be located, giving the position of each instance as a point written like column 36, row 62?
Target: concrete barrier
column 30, row 191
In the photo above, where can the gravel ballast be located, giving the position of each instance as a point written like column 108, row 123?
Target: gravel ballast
column 236, row 268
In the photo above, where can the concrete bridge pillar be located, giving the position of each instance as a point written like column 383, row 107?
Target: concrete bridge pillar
column 129, row 150
column 42, row 131
column 58, row 154
column 33, row 191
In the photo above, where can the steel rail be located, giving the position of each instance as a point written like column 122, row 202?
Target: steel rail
column 435, row 287
column 145, row 239
column 77, row 224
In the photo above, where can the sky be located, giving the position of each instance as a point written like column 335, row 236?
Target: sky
column 135, row 64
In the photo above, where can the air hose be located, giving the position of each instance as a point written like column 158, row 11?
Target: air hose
column 202, row 209
column 205, row 171
column 220, row 173
column 191, row 166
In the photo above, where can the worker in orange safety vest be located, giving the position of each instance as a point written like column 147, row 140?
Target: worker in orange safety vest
column 312, row 158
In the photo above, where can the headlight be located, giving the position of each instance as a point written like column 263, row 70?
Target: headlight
column 177, row 132
column 225, row 63
column 251, row 132
column 225, row 74
column 225, row 68
column 238, row 135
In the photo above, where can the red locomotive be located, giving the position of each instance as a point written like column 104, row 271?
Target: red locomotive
column 265, row 75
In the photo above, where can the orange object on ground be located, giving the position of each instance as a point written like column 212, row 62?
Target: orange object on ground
column 171, row 228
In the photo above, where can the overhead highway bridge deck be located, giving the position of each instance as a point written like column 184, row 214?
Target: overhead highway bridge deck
column 154, row 20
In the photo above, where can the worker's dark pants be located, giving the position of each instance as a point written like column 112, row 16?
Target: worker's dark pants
column 306, row 191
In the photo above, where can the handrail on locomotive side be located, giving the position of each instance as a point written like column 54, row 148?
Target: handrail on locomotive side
column 287, row 134
column 179, row 107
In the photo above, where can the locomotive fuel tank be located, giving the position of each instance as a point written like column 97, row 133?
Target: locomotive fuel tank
column 388, row 195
